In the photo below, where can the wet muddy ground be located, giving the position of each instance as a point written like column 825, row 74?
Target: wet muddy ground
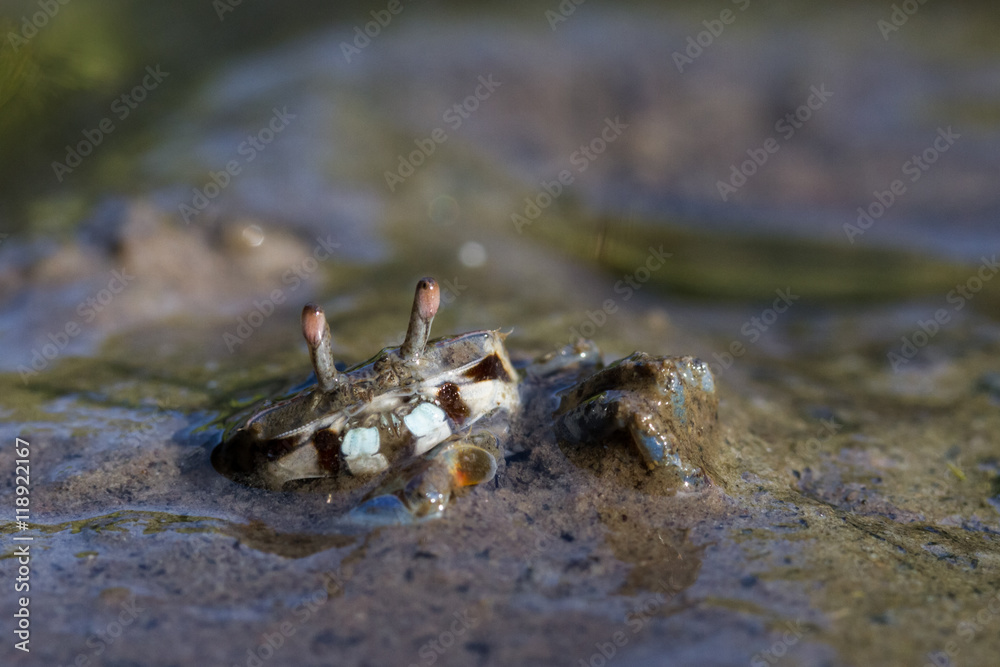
column 854, row 511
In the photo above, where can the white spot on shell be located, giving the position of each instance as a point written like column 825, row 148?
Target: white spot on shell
column 360, row 442
column 425, row 418
column 367, row 465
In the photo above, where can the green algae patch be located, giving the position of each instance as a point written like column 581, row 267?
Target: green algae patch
column 727, row 265
column 151, row 522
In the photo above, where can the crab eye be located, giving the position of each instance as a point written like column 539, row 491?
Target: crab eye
column 316, row 331
column 425, row 306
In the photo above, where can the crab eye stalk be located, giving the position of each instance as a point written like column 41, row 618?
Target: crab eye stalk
column 425, row 306
column 316, row 331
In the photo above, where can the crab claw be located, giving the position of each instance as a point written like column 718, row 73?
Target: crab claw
column 425, row 306
column 422, row 488
column 316, row 331
column 667, row 405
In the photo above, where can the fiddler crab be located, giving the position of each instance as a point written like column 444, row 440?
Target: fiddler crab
column 422, row 420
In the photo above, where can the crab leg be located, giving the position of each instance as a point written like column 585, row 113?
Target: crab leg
column 425, row 306
column 316, row 330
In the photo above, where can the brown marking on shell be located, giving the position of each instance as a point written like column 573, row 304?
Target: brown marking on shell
column 277, row 447
column 450, row 398
column 327, row 444
column 490, row 368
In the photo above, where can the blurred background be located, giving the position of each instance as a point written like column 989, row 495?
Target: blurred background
column 740, row 122
column 762, row 143
column 803, row 194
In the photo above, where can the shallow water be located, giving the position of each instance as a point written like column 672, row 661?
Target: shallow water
column 853, row 516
